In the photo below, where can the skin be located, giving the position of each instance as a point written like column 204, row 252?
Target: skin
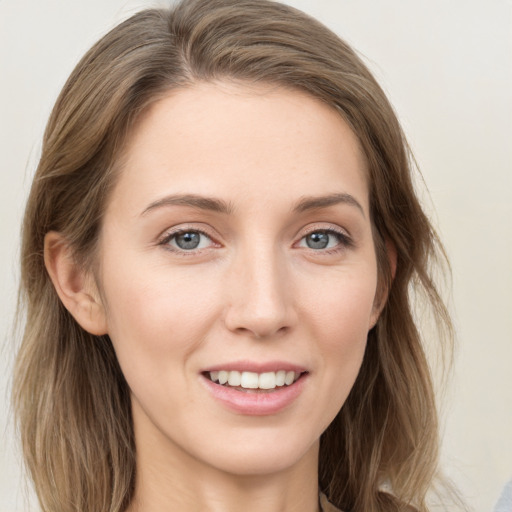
column 253, row 290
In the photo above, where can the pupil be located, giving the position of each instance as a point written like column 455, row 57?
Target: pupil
column 317, row 240
column 188, row 240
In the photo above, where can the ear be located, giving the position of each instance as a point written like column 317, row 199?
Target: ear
column 382, row 296
column 392, row 256
column 75, row 287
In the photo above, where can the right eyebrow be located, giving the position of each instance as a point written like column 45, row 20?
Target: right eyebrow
column 193, row 201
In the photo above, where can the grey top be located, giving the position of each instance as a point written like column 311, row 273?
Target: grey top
column 505, row 502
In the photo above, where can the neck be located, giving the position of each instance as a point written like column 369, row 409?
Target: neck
column 170, row 479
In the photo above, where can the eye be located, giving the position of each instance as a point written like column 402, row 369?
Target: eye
column 187, row 240
column 324, row 239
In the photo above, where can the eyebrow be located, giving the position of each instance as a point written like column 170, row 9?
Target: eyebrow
column 319, row 202
column 220, row 206
column 193, row 201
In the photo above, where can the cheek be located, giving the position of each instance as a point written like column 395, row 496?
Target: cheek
column 152, row 315
column 341, row 305
column 341, row 316
column 343, row 339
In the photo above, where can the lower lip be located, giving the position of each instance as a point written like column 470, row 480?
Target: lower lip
column 256, row 403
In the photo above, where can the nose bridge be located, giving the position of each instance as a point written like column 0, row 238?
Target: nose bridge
column 259, row 294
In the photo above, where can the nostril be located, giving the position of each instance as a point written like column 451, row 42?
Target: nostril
column 263, row 332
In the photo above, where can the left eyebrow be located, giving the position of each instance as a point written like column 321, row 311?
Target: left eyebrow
column 319, row 202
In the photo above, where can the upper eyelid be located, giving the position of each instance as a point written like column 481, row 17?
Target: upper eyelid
column 340, row 234
column 346, row 240
column 183, row 228
column 166, row 238
column 173, row 234
column 203, row 229
column 326, row 227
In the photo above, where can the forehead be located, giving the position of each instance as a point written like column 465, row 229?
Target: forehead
column 222, row 138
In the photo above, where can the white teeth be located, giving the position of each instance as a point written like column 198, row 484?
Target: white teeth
column 267, row 380
column 234, row 378
column 290, row 376
column 249, row 380
column 252, row 380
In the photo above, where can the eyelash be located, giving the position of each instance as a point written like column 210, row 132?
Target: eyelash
column 168, row 237
column 344, row 241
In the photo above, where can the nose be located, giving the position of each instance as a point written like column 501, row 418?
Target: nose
column 260, row 296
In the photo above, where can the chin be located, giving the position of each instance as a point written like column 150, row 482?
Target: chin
column 254, row 457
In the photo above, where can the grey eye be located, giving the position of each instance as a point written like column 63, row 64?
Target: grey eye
column 324, row 239
column 318, row 240
column 189, row 240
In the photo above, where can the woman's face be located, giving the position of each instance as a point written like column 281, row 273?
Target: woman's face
column 237, row 245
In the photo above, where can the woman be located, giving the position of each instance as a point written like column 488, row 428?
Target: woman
column 218, row 254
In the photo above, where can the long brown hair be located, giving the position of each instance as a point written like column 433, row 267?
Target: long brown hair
column 71, row 400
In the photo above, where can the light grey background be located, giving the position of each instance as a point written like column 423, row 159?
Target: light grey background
column 447, row 67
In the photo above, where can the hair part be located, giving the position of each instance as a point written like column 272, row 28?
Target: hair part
column 71, row 399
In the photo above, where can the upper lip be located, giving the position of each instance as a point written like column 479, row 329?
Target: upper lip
column 256, row 367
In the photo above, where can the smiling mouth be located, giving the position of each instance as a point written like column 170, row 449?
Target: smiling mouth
column 251, row 382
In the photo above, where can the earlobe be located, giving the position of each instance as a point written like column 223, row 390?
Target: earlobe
column 74, row 286
column 392, row 257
